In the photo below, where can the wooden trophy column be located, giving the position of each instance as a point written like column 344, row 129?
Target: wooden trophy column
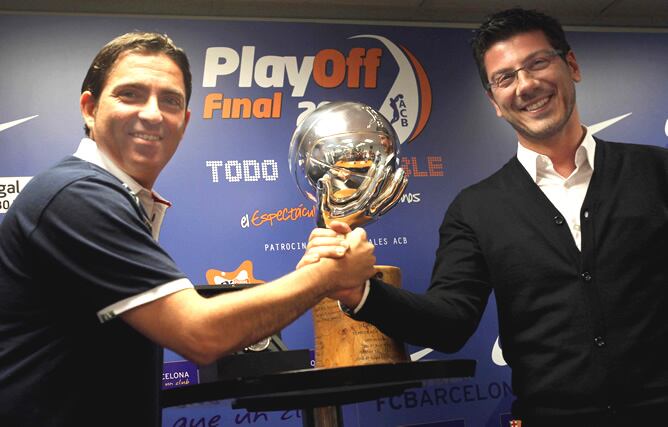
column 341, row 341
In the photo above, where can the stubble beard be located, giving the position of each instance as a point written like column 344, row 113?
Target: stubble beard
column 544, row 131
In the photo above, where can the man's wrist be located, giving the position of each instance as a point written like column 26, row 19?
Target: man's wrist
column 350, row 307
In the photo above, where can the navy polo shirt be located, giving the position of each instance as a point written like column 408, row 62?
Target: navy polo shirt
column 74, row 243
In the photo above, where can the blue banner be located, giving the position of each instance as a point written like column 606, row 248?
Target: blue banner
column 238, row 216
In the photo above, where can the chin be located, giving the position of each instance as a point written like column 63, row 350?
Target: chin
column 535, row 134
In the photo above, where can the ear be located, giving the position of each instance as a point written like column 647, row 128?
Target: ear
column 187, row 119
column 88, row 106
column 573, row 66
column 493, row 102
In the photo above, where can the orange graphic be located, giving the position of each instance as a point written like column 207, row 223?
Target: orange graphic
column 425, row 94
column 237, row 108
column 411, row 166
column 282, row 215
column 330, row 67
column 243, row 274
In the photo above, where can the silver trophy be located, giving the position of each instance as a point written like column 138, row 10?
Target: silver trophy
column 344, row 156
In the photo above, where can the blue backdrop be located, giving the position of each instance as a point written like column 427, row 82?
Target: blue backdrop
column 237, row 213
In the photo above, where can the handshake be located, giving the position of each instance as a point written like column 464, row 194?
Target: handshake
column 346, row 259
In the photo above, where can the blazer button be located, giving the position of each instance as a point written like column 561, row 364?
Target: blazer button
column 599, row 341
column 558, row 219
column 586, row 276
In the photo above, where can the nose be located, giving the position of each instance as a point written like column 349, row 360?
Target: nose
column 150, row 111
column 525, row 82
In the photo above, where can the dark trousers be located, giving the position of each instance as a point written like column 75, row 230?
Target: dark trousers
column 653, row 415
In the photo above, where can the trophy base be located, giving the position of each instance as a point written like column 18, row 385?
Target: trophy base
column 341, row 341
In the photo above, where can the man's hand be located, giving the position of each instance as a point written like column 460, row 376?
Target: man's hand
column 353, row 270
column 326, row 243
column 351, row 298
column 355, row 255
column 357, row 265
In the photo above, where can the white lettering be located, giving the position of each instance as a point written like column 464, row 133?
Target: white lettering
column 246, row 170
column 255, row 174
column 246, row 72
column 401, row 240
column 229, row 174
column 299, row 77
column 270, row 71
column 266, row 164
column 379, row 242
column 214, row 68
column 411, row 198
column 387, row 241
column 308, row 107
column 214, row 165
column 267, row 71
column 284, row 246
column 175, row 375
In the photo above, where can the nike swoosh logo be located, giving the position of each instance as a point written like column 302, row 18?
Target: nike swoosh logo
column 5, row 126
column 497, row 354
column 420, row 354
column 604, row 124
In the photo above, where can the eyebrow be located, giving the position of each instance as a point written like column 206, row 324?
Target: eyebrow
column 141, row 86
column 181, row 95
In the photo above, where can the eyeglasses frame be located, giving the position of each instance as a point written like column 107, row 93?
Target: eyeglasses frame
column 550, row 55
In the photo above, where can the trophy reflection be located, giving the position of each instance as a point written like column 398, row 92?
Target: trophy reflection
column 344, row 156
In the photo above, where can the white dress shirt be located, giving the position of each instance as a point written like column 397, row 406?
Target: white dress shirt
column 566, row 194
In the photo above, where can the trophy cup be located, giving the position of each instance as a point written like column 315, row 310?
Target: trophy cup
column 344, row 157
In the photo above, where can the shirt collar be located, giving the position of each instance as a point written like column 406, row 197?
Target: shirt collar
column 89, row 151
column 585, row 152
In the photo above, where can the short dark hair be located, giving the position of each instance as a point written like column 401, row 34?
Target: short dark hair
column 136, row 41
column 508, row 23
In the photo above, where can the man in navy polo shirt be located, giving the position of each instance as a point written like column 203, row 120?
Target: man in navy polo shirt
column 78, row 248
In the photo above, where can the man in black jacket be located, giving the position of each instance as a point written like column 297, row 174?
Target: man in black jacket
column 572, row 237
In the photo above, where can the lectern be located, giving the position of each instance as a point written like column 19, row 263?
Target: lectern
column 281, row 379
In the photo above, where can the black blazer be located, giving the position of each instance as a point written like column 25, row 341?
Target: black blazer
column 580, row 330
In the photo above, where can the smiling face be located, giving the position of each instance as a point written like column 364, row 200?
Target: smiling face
column 140, row 116
column 539, row 105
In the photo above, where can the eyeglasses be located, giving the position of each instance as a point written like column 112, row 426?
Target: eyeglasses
column 539, row 62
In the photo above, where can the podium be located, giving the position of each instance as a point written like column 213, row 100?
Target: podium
column 310, row 389
column 268, row 381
